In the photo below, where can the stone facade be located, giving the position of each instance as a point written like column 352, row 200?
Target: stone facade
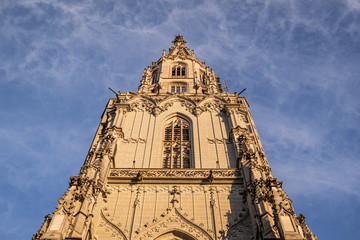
column 179, row 159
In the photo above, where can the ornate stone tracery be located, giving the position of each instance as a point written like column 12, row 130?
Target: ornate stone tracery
column 176, row 144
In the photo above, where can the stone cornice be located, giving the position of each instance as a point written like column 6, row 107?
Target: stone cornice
column 194, row 103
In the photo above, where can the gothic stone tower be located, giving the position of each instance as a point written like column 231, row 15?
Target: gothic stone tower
column 179, row 159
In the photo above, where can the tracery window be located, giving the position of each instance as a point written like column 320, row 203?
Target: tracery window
column 178, row 71
column 176, row 150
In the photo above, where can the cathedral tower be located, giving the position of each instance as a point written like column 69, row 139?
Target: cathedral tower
column 179, row 159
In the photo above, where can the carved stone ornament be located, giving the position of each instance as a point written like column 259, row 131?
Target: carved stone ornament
column 193, row 104
column 111, row 225
column 213, row 106
column 157, row 111
column 190, row 188
column 172, row 221
column 236, row 109
column 238, row 131
column 188, row 105
column 197, row 111
column 171, row 173
column 113, row 133
column 166, row 222
column 239, row 225
column 141, row 105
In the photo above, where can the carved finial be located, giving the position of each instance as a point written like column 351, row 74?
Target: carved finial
column 179, row 40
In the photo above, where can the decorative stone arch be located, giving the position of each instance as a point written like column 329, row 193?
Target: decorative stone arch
column 176, row 98
column 170, row 223
column 141, row 98
column 212, row 103
column 112, row 227
column 211, row 98
column 177, row 114
column 141, row 103
column 145, row 98
column 189, row 104
column 243, row 226
column 164, row 105
column 175, row 234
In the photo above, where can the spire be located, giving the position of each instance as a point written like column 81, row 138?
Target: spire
column 179, row 40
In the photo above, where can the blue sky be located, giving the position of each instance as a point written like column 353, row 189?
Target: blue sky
column 299, row 61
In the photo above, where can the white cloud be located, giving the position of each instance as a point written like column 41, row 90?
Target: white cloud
column 353, row 4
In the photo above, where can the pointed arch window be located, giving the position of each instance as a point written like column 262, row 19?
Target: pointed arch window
column 176, row 148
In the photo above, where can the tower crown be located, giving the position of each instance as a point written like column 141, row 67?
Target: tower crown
column 179, row 40
column 179, row 71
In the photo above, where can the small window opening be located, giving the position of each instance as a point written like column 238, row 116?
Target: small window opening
column 155, row 77
column 178, row 88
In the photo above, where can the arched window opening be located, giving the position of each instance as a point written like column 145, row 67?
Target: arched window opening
column 202, row 78
column 176, row 153
column 155, row 77
column 178, row 71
